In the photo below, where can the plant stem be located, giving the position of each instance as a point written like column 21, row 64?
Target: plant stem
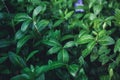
column 6, row 6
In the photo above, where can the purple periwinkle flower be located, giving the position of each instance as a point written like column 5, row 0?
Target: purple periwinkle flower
column 77, row 5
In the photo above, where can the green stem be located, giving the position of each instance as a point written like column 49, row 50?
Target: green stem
column 6, row 6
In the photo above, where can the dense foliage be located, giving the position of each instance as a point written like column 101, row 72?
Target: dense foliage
column 51, row 40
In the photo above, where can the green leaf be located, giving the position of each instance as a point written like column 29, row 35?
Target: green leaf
column 85, row 52
column 109, row 20
column 81, row 60
column 84, row 26
column 25, row 25
column 61, row 13
column 93, row 57
column 86, row 38
column 73, row 69
column 51, row 42
column 117, row 46
column 45, row 68
column 103, row 50
column 16, row 60
column 92, row 16
column 41, row 77
column 2, row 59
column 62, row 74
column 27, row 70
column 118, row 59
column 102, row 33
column 82, row 32
column 54, row 49
column 111, row 73
column 68, row 15
column 42, row 24
column 32, row 54
column 117, row 16
column 22, row 41
column 112, row 65
column 65, row 37
column 103, row 59
column 107, row 40
column 5, row 43
column 81, row 75
column 89, row 48
column 22, row 17
column 58, row 22
column 97, row 9
column 91, row 3
column 21, row 77
column 69, row 44
column 39, row 9
column 63, row 56
column 91, row 45
column 19, row 34
column 36, row 11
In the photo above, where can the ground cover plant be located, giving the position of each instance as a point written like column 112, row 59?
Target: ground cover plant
column 59, row 40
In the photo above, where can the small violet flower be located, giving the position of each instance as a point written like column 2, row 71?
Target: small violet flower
column 77, row 5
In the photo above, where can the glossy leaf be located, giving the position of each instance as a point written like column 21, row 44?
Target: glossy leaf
column 69, row 44
column 73, row 69
column 25, row 25
column 68, row 15
column 91, row 45
column 117, row 16
column 45, row 68
column 5, row 43
column 117, row 46
column 118, row 59
column 102, row 33
column 93, row 56
column 32, row 54
column 54, row 50
column 97, row 9
column 86, row 38
column 37, row 11
column 92, row 16
column 22, row 41
column 62, row 76
column 103, row 50
column 21, row 77
column 107, row 40
column 111, row 73
column 22, row 17
column 42, row 24
column 103, row 59
column 66, row 37
column 81, row 75
column 16, row 60
column 41, row 77
column 19, row 34
column 81, row 60
column 91, row 3
column 89, row 48
column 58, row 22
column 63, row 56
column 51, row 42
